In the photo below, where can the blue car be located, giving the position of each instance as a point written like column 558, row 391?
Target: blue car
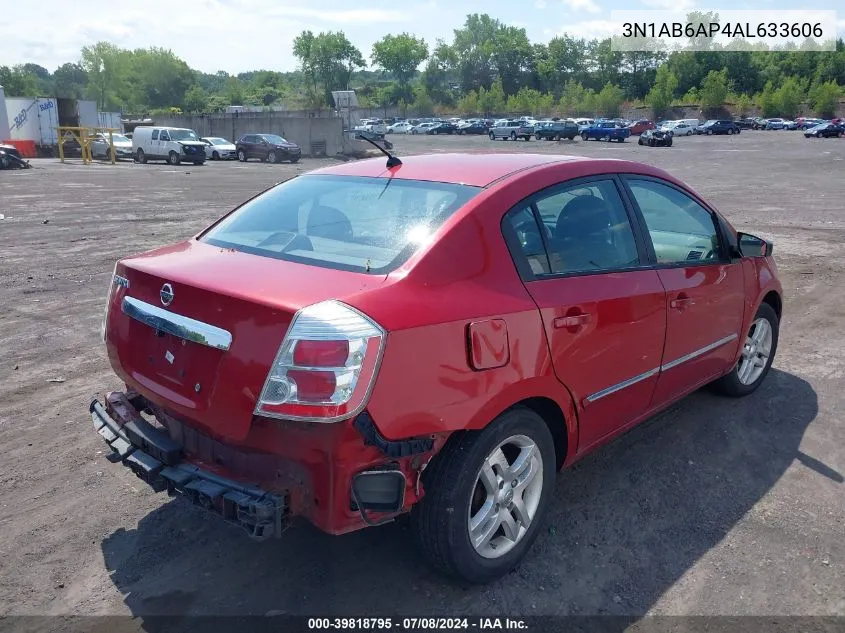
column 605, row 131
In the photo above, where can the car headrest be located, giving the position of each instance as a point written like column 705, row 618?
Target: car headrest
column 582, row 216
column 330, row 223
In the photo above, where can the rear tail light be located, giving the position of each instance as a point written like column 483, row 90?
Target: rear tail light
column 325, row 367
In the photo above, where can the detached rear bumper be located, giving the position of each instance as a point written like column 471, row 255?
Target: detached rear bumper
column 156, row 459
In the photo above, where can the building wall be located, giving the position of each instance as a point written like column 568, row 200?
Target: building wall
column 312, row 134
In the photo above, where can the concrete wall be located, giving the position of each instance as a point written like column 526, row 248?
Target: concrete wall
column 309, row 133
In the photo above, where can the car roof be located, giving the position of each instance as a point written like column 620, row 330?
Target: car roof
column 475, row 169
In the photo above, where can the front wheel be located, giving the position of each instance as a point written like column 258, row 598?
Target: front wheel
column 241, row 156
column 584, row 137
column 486, row 496
column 758, row 352
column 272, row 158
column 730, row 132
column 173, row 158
column 491, row 136
column 140, row 156
column 215, row 156
column 513, row 136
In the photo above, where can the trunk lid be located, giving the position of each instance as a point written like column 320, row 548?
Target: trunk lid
column 216, row 293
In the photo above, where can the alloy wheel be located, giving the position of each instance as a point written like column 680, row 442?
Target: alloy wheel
column 505, row 497
column 755, row 352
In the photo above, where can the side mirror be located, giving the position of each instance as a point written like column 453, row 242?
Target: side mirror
column 753, row 246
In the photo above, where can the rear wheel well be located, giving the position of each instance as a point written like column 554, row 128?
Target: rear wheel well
column 774, row 300
column 553, row 417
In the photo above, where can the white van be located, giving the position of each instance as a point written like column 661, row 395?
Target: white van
column 173, row 144
column 685, row 127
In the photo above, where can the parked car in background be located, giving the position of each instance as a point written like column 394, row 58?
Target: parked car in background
column 218, row 148
column 377, row 127
column 683, row 128
column 422, row 128
column 759, row 123
column 271, row 148
column 718, row 126
column 605, row 131
column 805, row 123
column 444, row 127
column 172, row 144
column 511, row 129
column 654, row 138
column 557, row 130
column 825, row 130
column 402, row 127
column 475, row 127
column 582, row 122
column 790, row 125
column 745, row 123
column 306, row 354
column 775, row 124
column 122, row 146
column 638, row 127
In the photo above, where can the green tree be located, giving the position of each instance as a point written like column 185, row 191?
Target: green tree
column 714, row 89
column 107, row 68
column 824, row 97
column 195, row 100
column 565, row 61
column 789, row 96
column 328, row 60
column 69, row 80
column 743, row 104
column 609, row 100
column 17, row 82
column 423, row 104
column 492, row 101
column 663, row 91
column 468, row 104
column 767, row 100
column 512, row 57
column 474, row 46
column 573, row 98
column 439, row 73
column 400, row 55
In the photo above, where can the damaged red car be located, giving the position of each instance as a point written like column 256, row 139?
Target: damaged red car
column 436, row 337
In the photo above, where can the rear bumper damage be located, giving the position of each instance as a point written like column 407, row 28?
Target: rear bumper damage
column 156, row 459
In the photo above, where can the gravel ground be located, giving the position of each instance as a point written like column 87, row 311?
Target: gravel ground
column 716, row 507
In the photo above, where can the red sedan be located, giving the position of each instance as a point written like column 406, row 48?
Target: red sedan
column 638, row 127
column 436, row 337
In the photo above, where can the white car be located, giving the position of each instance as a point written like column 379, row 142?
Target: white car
column 402, row 127
column 217, row 148
column 122, row 146
column 422, row 128
column 373, row 126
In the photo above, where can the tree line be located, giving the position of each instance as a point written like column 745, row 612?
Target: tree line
column 488, row 67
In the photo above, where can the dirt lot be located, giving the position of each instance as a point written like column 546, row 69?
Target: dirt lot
column 717, row 507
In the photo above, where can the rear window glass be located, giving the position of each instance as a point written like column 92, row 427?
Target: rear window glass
column 345, row 222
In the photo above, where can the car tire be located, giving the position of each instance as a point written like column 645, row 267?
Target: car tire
column 241, row 155
column 669, row 142
column 215, row 156
column 651, row 142
column 818, row 134
column 174, row 159
column 640, row 142
column 584, row 137
column 709, row 132
column 491, row 136
column 730, row 131
column 453, row 481
column 294, row 160
column 272, row 157
column 513, row 136
column 141, row 157
column 198, row 162
column 760, row 344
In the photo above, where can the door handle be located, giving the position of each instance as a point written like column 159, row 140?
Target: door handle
column 572, row 320
column 681, row 301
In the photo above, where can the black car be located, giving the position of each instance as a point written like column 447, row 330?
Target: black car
column 10, row 158
column 720, row 126
column 825, row 130
column 476, row 127
column 745, row 123
column 268, row 147
column 444, row 127
column 557, row 130
column 656, row 138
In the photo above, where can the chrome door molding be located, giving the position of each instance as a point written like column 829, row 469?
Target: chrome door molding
column 622, row 385
column 698, row 352
column 665, row 367
column 180, row 326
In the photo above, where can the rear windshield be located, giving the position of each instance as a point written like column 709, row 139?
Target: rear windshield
column 350, row 223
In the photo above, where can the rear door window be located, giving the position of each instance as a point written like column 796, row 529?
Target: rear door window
column 154, row 135
column 350, row 223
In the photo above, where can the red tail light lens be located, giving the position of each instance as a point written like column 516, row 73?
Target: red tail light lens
column 325, row 367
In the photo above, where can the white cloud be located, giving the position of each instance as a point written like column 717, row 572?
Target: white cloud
column 540, row 4
column 591, row 29
column 583, row 5
column 679, row 5
column 209, row 35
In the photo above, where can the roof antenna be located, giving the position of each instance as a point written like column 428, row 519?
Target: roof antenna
column 392, row 161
